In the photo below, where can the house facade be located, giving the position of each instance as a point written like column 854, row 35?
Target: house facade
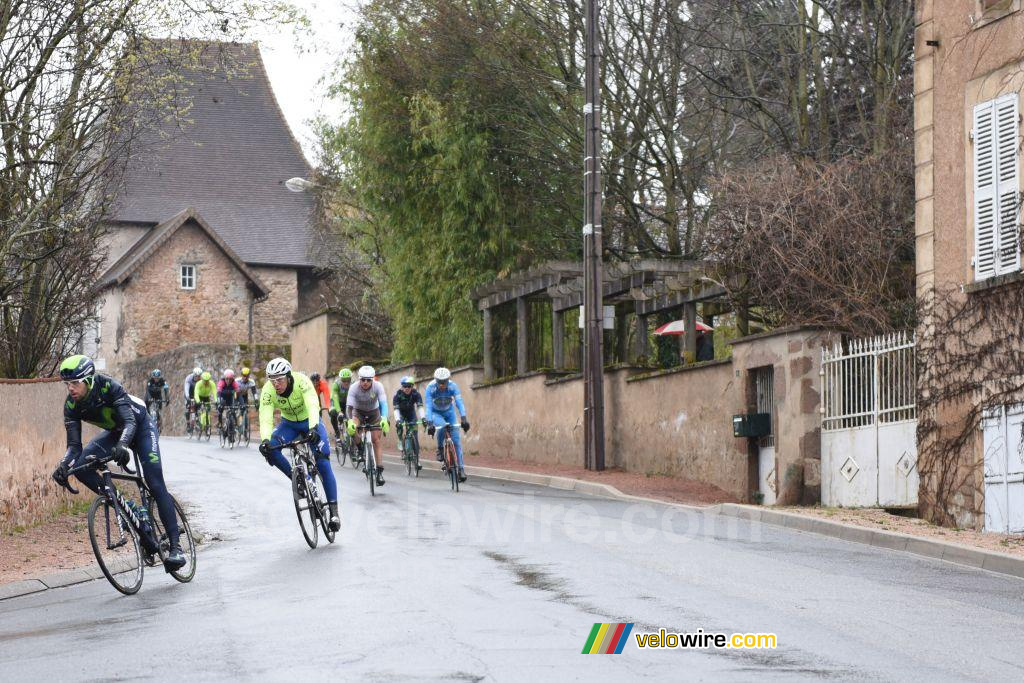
column 205, row 244
column 968, row 84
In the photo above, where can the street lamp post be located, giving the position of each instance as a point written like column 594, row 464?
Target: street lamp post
column 593, row 299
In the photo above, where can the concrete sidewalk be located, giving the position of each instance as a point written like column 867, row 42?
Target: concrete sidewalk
column 926, row 547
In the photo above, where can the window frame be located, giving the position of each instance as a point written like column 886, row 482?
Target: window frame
column 183, row 276
column 996, row 193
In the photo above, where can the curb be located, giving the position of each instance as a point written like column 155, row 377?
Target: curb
column 62, row 579
column 915, row 545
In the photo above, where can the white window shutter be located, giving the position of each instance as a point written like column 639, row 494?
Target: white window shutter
column 984, row 192
column 1008, row 182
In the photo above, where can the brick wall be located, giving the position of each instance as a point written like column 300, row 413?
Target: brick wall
column 272, row 323
column 33, row 443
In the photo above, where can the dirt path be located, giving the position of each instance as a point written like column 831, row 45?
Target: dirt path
column 52, row 546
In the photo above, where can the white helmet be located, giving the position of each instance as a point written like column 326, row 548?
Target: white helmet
column 278, row 367
column 197, row 370
column 442, row 374
column 367, row 372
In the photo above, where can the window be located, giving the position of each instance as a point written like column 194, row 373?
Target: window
column 188, row 276
column 996, row 186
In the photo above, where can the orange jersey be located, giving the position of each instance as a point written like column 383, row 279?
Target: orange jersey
column 323, row 390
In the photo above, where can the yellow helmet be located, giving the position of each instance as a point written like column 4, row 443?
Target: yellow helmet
column 245, row 372
column 206, row 377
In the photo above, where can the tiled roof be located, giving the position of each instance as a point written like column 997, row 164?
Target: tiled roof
column 228, row 159
column 123, row 268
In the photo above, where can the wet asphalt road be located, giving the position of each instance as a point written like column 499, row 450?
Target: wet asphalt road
column 504, row 582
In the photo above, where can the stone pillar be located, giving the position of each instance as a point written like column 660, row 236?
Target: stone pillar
column 558, row 339
column 689, row 340
column 488, row 346
column 522, row 338
column 640, row 342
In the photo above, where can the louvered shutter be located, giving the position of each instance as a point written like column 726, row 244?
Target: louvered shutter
column 1007, row 182
column 984, row 192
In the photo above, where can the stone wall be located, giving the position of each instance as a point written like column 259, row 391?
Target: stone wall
column 310, row 344
column 33, row 443
column 325, row 342
column 676, row 422
column 272, row 320
column 178, row 363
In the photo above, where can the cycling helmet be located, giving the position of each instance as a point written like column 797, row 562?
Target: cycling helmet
column 77, row 368
column 407, row 381
column 315, row 378
column 345, row 373
column 367, row 372
column 442, row 374
column 207, row 376
column 156, row 374
column 278, row 367
column 229, row 374
column 197, row 370
column 245, row 372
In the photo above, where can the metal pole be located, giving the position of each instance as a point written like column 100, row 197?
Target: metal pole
column 593, row 301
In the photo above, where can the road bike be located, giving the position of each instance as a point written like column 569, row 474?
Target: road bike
column 155, row 407
column 367, row 456
column 227, row 427
column 244, row 432
column 450, row 461
column 410, row 441
column 125, row 537
column 308, row 491
column 203, row 421
column 191, row 426
column 344, row 448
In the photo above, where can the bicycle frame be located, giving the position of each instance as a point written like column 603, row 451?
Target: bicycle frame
column 117, row 498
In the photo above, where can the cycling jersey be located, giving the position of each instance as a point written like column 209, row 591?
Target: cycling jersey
column 190, row 385
column 339, row 395
column 226, row 391
column 109, row 407
column 245, row 388
column 205, row 388
column 367, row 400
column 323, row 393
column 298, row 403
column 405, row 404
column 439, row 400
column 157, row 389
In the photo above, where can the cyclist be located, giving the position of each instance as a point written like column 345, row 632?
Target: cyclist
column 201, row 394
column 227, row 390
column 442, row 398
column 323, row 392
column 101, row 401
column 246, row 388
column 367, row 404
column 190, row 385
column 339, row 399
column 157, row 389
column 408, row 406
column 293, row 395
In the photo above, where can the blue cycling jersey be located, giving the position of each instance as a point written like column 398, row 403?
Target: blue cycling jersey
column 439, row 400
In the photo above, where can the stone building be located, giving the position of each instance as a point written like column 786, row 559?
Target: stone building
column 968, row 80
column 206, row 244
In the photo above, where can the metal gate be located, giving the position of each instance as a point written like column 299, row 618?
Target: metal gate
column 869, row 423
column 1004, row 469
column 767, row 481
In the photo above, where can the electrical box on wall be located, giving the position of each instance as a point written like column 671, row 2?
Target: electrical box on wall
column 752, row 425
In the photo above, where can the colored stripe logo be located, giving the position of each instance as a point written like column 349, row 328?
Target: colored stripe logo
column 607, row 639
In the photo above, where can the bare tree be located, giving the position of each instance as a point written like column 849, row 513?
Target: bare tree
column 78, row 78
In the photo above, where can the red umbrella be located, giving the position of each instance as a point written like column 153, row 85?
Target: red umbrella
column 679, row 327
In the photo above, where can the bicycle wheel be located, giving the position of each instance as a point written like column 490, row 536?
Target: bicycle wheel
column 246, row 435
column 340, row 451
column 407, row 454
column 452, row 461
column 371, row 464
column 185, row 540
column 353, row 451
column 416, row 453
column 116, row 546
column 321, row 506
column 304, row 507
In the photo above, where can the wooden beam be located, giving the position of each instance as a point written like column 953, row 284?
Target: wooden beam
column 558, row 339
column 522, row 328
column 488, row 345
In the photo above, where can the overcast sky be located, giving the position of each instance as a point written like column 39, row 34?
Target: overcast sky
column 295, row 64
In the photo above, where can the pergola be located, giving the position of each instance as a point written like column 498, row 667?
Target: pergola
column 650, row 285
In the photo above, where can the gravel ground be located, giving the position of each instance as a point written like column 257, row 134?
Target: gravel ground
column 52, row 546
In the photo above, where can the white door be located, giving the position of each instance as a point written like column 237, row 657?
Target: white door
column 767, row 474
column 1004, row 469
